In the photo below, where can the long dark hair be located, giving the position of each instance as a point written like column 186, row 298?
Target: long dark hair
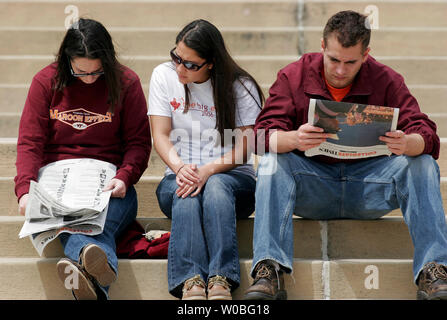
column 88, row 38
column 204, row 38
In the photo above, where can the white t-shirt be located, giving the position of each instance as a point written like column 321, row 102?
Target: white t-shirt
column 194, row 134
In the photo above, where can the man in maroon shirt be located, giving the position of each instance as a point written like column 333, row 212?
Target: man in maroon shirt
column 322, row 187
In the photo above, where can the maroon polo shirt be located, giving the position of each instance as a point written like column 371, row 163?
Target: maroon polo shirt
column 287, row 106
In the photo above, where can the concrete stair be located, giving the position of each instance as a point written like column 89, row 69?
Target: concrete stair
column 147, row 201
column 389, row 250
column 332, row 259
column 391, row 241
column 145, row 279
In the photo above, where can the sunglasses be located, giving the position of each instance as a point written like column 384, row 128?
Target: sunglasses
column 187, row 64
column 79, row 75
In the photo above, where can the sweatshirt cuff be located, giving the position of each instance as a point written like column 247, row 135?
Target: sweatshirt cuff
column 123, row 176
column 21, row 190
column 429, row 144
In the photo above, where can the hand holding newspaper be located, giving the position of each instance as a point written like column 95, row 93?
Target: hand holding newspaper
column 67, row 198
column 355, row 128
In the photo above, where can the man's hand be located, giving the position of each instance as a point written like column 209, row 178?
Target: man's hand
column 22, row 203
column 309, row 136
column 306, row 137
column 118, row 188
column 396, row 141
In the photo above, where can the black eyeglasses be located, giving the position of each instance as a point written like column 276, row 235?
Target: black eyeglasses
column 79, row 75
column 187, row 64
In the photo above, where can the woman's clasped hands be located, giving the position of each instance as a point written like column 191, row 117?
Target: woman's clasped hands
column 191, row 179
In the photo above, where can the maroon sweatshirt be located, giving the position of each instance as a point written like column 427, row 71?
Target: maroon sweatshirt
column 75, row 123
column 375, row 84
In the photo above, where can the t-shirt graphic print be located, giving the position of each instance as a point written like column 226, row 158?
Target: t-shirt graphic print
column 80, row 118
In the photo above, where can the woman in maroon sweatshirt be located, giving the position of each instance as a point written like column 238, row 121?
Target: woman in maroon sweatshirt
column 87, row 105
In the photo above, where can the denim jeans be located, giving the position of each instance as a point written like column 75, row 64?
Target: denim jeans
column 203, row 231
column 120, row 214
column 289, row 184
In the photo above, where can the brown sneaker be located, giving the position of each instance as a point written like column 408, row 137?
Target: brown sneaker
column 194, row 289
column 74, row 278
column 94, row 261
column 268, row 284
column 219, row 289
column 432, row 282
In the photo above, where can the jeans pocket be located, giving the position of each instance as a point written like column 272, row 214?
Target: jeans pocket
column 371, row 198
column 317, row 197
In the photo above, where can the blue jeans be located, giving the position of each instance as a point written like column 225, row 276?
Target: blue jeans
column 203, row 231
column 289, row 184
column 120, row 214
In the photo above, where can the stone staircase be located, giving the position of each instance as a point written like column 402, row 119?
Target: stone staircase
column 333, row 259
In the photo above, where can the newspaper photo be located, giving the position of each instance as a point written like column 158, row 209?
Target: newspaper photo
column 355, row 128
column 68, row 197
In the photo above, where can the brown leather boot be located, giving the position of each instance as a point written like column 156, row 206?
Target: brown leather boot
column 432, row 282
column 219, row 289
column 268, row 284
column 194, row 289
column 79, row 282
column 94, row 261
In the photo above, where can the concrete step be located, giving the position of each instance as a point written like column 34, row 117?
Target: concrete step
column 147, row 200
column 8, row 154
column 145, row 187
column 388, row 42
column 222, row 12
column 151, row 13
column 428, row 97
column 156, row 167
column 36, row 279
column 404, row 14
column 15, row 97
column 148, row 205
column 350, row 279
column 278, row 30
column 306, row 231
column 441, row 122
column 264, row 69
column 243, row 41
column 416, row 70
column 157, row 41
column 388, row 238
column 9, row 124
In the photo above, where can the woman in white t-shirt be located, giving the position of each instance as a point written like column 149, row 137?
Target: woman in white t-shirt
column 202, row 109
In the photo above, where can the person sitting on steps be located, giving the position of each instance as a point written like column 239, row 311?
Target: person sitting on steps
column 324, row 188
column 86, row 75
column 193, row 101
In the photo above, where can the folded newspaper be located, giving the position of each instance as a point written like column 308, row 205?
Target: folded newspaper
column 355, row 128
column 68, row 198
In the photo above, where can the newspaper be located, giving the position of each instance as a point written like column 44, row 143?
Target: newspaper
column 68, row 197
column 355, row 128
